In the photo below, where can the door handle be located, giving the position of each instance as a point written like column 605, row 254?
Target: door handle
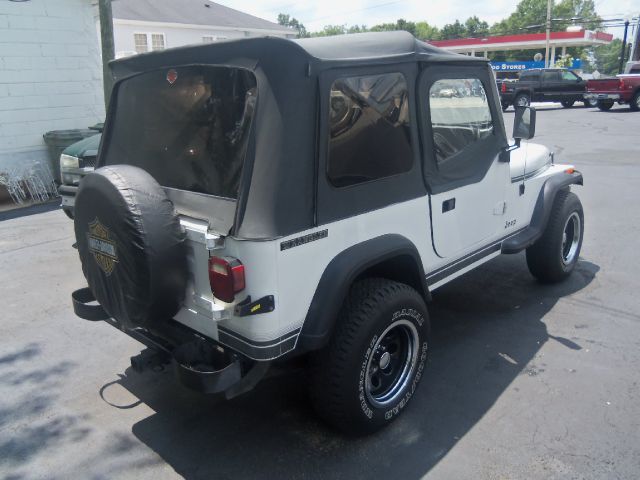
column 448, row 205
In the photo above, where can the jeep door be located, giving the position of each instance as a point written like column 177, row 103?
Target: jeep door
column 463, row 140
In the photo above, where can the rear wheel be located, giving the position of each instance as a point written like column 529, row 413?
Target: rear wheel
column 590, row 103
column 554, row 255
column 522, row 100
column 635, row 102
column 567, row 103
column 366, row 375
column 605, row 105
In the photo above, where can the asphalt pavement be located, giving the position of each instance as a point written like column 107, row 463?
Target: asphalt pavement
column 524, row 381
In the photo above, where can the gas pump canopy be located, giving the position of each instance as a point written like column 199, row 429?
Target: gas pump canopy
column 527, row 41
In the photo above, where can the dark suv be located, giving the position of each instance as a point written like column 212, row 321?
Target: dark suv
column 544, row 85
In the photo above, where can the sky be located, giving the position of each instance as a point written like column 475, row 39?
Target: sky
column 315, row 15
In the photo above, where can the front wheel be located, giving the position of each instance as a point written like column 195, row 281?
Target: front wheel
column 364, row 378
column 605, row 105
column 554, row 255
column 567, row 103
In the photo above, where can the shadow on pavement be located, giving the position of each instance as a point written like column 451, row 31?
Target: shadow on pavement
column 487, row 328
column 33, row 386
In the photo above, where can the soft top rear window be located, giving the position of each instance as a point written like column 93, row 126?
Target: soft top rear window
column 187, row 126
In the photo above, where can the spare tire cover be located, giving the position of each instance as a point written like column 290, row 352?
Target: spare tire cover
column 131, row 245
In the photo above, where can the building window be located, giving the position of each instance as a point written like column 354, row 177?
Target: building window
column 208, row 39
column 157, row 41
column 369, row 133
column 140, row 41
column 147, row 42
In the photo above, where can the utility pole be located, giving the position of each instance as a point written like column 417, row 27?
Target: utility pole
column 623, row 51
column 546, row 50
column 108, row 48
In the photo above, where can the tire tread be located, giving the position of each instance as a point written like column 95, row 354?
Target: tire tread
column 329, row 366
column 542, row 255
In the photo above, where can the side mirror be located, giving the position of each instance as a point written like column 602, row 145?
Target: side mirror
column 524, row 123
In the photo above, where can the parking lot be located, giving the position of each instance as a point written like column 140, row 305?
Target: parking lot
column 524, row 381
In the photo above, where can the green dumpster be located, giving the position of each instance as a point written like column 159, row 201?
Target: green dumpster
column 58, row 140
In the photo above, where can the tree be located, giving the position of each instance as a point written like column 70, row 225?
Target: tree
column 424, row 31
column 582, row 12
column 531, row 16
column 476, row 28
column 401, row 24
column 607, row 57
column 291, row 22
column 453, row 30
column 330, row 30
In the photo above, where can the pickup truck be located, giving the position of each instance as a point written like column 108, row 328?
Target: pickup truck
column 544, row 85
column 624, row 89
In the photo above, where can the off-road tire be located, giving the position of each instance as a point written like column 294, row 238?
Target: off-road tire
column 634, row 104
column 522, row 100
column 605, row 105
column 567, row 103
column 546, row 257
column 338, row 382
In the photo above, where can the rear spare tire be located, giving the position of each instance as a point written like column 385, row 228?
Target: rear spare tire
column 131, row 245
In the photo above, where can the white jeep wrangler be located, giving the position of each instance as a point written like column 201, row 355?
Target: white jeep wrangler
column 264, row 199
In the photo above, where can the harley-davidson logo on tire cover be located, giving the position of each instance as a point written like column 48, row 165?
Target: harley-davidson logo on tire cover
column 102, row 247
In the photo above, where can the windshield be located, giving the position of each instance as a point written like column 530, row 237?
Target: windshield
column 187, row 126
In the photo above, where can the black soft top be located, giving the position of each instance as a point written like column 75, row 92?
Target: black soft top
column 278, row 189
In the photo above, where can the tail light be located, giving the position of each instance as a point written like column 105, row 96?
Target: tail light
column 621, row 84
column 226, row 277
column 503, row 87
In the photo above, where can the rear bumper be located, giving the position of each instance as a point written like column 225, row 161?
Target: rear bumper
column 200, row 364
column 603, row 96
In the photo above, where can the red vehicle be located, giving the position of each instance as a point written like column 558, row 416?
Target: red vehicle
column 624, row 89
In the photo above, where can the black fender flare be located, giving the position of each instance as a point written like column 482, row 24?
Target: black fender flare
column 393, row 250
column 541, row 211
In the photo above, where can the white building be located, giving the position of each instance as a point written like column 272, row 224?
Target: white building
column 145, row 25
column 50, row 78
column 51, row 68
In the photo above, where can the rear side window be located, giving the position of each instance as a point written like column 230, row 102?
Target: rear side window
column 530, row 76
column 369, row 131
column 569, row 77
column 460, row 115
column 187, row 126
